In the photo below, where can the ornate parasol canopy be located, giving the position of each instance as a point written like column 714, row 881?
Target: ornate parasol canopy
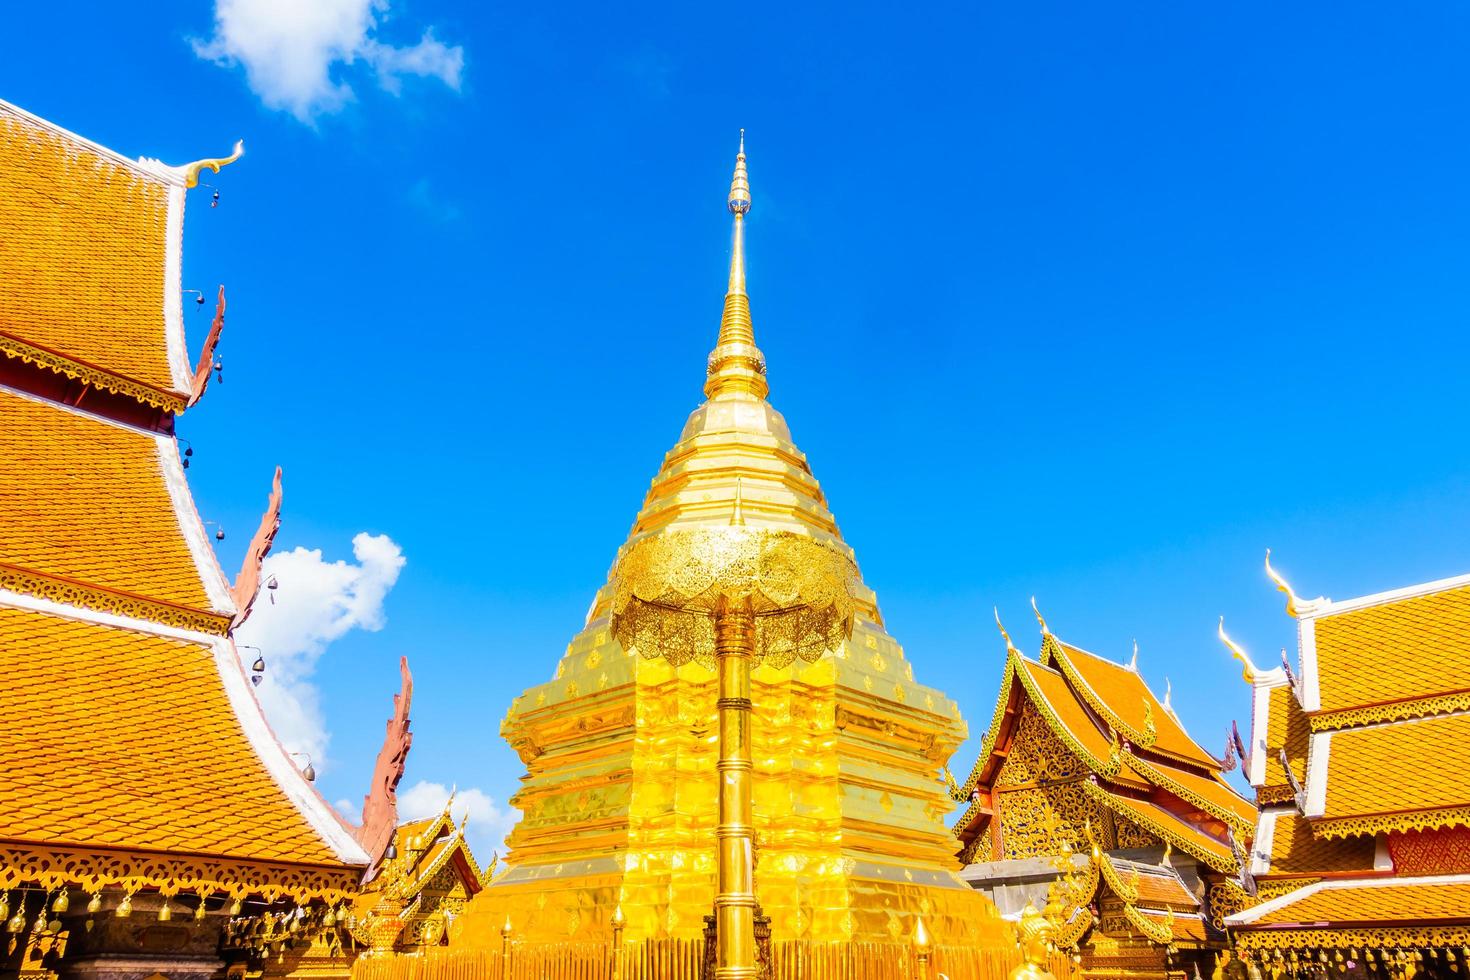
column 669, row 587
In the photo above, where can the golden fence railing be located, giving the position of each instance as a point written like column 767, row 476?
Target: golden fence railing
column 680, row 959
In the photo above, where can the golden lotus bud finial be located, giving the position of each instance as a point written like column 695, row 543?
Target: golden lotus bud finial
column 1293, row 601
column 739, row 200
column 506, row 930
column 1249, row 672
column 1044, row 630
column 737, row 513
column 618, row 919
column 191, row 170
column 1010, row 648
column 921, row 935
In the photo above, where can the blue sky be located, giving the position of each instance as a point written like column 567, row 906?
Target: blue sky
column 1082, row 301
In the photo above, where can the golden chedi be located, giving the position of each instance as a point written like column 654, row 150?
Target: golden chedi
column 620, row 799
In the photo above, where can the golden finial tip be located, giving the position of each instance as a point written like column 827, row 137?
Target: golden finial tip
column 1009, row 647
column 1293, row 601
column 1044, row 630
column 1249, row 669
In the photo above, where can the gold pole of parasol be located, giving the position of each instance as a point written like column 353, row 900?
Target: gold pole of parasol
column 732, row 598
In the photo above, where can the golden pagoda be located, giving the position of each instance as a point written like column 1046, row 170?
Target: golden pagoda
column 144, row 801
column 619, row 798
column 1360, row 763
column 1089, row 796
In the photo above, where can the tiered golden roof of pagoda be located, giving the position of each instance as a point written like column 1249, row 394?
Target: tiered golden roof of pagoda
column 1140, row 764
column 136, row 754
column 1357, row 759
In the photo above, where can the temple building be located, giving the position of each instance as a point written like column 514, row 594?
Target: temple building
column 1358, row 757
column 1089, row 799
column 427, row 876
column 619, row 798
column 144, row 801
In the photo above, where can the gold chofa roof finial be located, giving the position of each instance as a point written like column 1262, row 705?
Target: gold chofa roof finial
column 736, row 366
column 1010, row 648
column 191, row 170
column 1044, row 630
column 1249, row 670
column 1293, row 601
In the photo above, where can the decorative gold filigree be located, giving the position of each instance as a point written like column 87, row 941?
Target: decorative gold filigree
column 1398, row 711
column 669, row 586
column 1457, row 816
column 1156, row 932
column 170, row 874
column 1391, row 937
column 1130, row 835
column 1126, row 890
column 120, row 604
column 96, row 377
column 1225, row 898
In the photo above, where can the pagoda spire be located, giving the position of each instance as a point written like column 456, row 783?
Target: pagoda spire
column 736, row 366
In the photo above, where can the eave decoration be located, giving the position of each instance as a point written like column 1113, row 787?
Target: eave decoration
column 247, row 583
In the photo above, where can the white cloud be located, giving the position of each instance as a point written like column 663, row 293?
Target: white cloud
column 488, row 823
column 316, row 602
column 296, row 52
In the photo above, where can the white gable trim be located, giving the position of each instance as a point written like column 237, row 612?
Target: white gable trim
column 173, row 313
column 206, row 562
column 1262, row 684
column 1265, row 837
column 1319, row 750
column 322, row 818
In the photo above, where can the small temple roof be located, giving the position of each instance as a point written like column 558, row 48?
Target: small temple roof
column 93, row 504
column 1426, row 901
column 1178, row 794
column 90, row 264
column 125, row 739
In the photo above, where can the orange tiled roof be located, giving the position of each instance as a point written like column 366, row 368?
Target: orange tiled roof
column 1407, row 648
column 1389, row 769
column 82, row 257
column 122, row 739
column 1296, row 850
column 1422, row 901
column 1164, row 890
column 86, row 500
column 1077, row 725
column 1120, row 694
